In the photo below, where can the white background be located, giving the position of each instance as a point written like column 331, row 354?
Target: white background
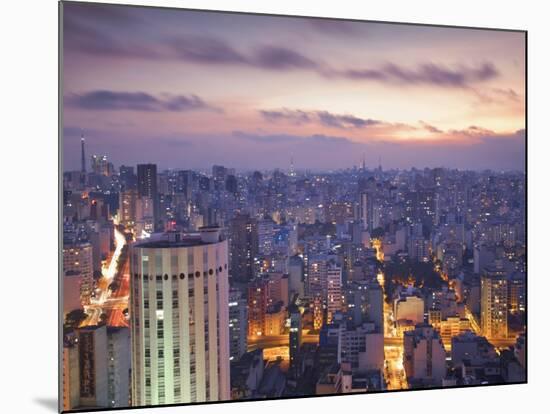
column 28, row 203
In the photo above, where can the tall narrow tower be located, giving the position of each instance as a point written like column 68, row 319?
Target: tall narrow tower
column 82, row 154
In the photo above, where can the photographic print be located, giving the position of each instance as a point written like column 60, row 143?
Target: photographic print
column 262, row 207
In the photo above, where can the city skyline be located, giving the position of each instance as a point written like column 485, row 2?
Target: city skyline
column 262, row 207
column 203, row 85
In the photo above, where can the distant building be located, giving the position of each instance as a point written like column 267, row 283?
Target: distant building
column 70, row 373
column 244, row 247
column 296, row 276
column 470, row 347
column 258, row 296
column 128, row 178
column 375, row 306
column 128, row 208
column 520, row 350
column 147, row 187
column 362, row 348
column 409, row 306
column 494, row 303
column 424, row 356
column 101, row 165
column 453, row 326
column 295, row 339
column 277, row 287
column 275, row 318
column 238, row 324
column 366, row 211
column 517, row 291
column 145, row 216
column 78, row 275
column 334, row 291
column 419, row 248
column 246, row 375
column 336, row 379
column 317, row 276
column 317, row 311
column 266, row 233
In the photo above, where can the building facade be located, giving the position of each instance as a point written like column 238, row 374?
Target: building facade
column 494, row 304
column 179, row 319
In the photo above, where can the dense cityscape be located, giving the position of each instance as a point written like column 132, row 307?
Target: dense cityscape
column 261, row 207
column 184, row 286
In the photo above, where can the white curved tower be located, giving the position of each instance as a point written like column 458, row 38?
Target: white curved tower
column 179, row 319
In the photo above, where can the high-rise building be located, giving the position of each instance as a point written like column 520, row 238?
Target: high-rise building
column 266, row 232
column 127, row 210
column 70, row 373
column 295, row 276
column 179, row 318
column 101, row 165
column 96, row 359
column 419, row 248
column 258, row 298
column 244, row 247
column 93, row 375
column 317, row 311
column 334, row 291
column 494, row 303
column 516, row 295
column 231, row 184
column 278, row 288
column 317, row 277
column 295, row 338
column 145, row 215
column 238, row 323
column 375, row 305
column 365, row 210
column 118, row 366
column 184, row 183
column 82, row 155
column 147, row 187
column 128, row 178
column 356, row 301
column 78, row 274
column 424, row 356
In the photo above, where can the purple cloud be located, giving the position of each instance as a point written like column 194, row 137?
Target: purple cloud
column 279, row 58
column 428, row 73
column 296, row 117
column 333, row 26
column 474, row 132
column 202, row 49
column 293, row 139
column 326, row 118
column 430, row 128
column 83, row 37
column 134, row 101
column 345, row 121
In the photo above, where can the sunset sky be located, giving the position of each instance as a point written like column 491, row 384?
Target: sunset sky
column 187, row 89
